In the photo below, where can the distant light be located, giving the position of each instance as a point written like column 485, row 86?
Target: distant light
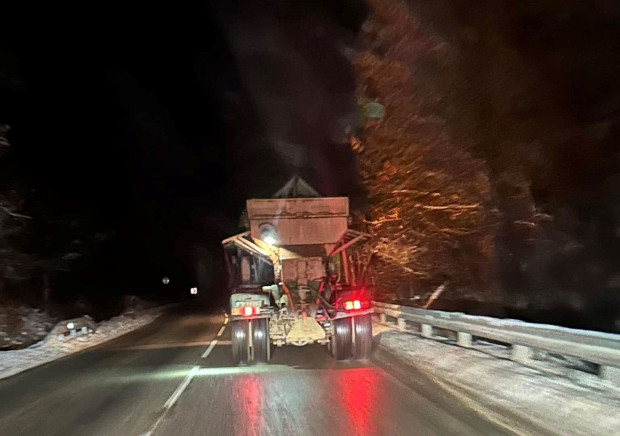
column 193, row 291
column 165, row 280
column 70, row 325
column 270, row 240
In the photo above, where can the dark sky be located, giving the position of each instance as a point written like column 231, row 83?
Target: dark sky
column 139, row 128
column 150, row 123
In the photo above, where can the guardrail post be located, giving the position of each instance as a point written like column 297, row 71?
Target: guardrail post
column 610, row 373
column 427, row 331
column 382, row 318
column 402, row 324
column 521, row 353
column 463, row 339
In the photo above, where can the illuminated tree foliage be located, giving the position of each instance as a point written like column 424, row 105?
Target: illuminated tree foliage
column 430, row 199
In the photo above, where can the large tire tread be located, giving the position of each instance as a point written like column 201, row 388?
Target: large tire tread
column 240, row 342
column 341, row 344
column 363, row 337
column 260, row 340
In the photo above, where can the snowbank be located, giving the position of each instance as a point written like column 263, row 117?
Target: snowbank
column 52, row 348
column 550, row 393
column 21, row 326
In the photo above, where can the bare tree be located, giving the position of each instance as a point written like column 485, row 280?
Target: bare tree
column 4, row 142
column 14, row 264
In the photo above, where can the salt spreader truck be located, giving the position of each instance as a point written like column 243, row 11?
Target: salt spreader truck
column 291, row 279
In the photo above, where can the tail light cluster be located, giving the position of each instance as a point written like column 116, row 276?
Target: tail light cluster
column 249, row 310
column 245, row 309
column 356, row 305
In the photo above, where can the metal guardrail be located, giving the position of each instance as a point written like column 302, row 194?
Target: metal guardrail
column 602, row 349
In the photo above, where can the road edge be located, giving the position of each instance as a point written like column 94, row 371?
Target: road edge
column 511, row 421
column 155, row 311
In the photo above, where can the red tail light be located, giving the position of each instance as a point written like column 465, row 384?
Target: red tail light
column 356, row 305
column 249, row 311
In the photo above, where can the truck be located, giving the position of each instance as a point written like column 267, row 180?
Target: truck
column 291, row 278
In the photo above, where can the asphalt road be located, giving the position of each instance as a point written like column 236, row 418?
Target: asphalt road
column 155, row 381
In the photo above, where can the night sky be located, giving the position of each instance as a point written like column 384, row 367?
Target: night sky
column 139, row 129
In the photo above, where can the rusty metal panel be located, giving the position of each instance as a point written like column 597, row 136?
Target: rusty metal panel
column 300, row 221
column 298, row 207
column 302, row 270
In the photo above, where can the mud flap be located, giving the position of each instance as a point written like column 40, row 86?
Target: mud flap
column 305, row 330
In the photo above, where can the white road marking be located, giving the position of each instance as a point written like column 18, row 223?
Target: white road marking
column 206, row 353
column 175, row 396
column 186, row 381
column 154, row 427
column 173, row 399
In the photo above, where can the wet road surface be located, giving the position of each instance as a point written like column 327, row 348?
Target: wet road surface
column 171, row 378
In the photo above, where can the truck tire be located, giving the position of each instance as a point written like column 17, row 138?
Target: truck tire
column 341, row 342
column 240, row 342
column 260, row 340
column 363, row 337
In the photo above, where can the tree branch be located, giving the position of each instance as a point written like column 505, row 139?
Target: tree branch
column 13, row 214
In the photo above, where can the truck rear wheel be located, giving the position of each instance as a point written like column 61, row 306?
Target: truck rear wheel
column 342, row 339
column 260, row 340
column 240, row 342
column 363, row 337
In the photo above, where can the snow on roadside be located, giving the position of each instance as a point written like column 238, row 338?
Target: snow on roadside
column 52, row 348
column 562, row 400
column 21, row 326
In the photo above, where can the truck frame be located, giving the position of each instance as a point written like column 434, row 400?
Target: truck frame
column 291, row 277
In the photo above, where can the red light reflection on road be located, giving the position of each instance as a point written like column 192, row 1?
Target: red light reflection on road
column 248, row 405
column 360, row 395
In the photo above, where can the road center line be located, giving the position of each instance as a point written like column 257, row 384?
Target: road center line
column 176, row 394
column 186, row 381
column 206, row 353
